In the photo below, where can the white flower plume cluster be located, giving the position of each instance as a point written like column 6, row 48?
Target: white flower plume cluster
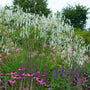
column 51, row 28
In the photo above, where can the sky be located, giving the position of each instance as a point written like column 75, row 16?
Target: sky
column 57, row 5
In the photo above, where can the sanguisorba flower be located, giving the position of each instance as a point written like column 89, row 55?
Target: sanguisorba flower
column 17, row 49
column 8, row 54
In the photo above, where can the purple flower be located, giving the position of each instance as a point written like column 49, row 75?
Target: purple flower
column 30, row 74
column 25, row 74
column 61, row 75
column 3, row 89
column 3, row 73
column 30, row 53
column 85, row 68
column 12, row 81
column 1, row 84
column 88, row 88
column 9, row 83
column 49, row 79
column 49, row 88
column 21, row 68
column 84, row 75
column 55, row 74
column 65, row 72
column 89, row 76
column 59, row 71
column 13, row 72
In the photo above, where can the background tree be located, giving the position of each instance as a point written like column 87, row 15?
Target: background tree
column 77, row 15
column 33, row 6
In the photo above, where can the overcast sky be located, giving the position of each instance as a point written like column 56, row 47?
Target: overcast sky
column 57, row 5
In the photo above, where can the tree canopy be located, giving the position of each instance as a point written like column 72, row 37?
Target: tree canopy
column 33, row 6
column 76, row 14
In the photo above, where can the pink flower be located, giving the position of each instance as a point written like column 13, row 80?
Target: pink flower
column 30, row 74
column 25, row 74
column 43, row 54
column 59, row 71
column 16, row 77
column 61, row 53
column 12, row 81
column 8, row 53
column 0, row 54
column 53, row 49
column 89, row 76
column 9, row 73
column 13, row 76
column 17, row 49
column 49, row 46
column 10, row 40
column 71, row 49
column 13, row 48
column 13, row 72
column 44, row 45
column 3, row 74
column 21, row 69
column 4, row 33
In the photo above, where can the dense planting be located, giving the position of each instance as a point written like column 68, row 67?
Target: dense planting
column 41, row 53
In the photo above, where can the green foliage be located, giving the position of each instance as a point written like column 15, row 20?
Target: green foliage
column 33, row 6
column 76, row 14
column 84, row 34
